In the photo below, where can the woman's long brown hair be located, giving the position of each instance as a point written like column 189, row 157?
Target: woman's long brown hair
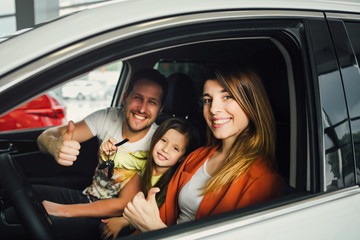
column 258, row 138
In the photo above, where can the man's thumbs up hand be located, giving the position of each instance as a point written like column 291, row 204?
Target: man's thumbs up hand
column 69, row 131
column 67, row 149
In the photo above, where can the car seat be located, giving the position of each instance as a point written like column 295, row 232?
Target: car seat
column 183, row 101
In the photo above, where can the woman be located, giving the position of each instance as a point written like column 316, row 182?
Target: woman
column 236, row 168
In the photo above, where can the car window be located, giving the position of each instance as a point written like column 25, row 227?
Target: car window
column 91, row 92
column 338, row 165
column 351, row 83
column 72, row 101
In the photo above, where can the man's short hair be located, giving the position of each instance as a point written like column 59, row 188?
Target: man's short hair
column 153, row 76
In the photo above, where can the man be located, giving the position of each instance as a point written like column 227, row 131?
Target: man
column 142, row 103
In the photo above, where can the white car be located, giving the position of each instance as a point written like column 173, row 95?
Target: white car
column 307, row 53
column 82, row 89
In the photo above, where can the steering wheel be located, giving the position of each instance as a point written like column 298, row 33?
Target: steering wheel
column 19, row 191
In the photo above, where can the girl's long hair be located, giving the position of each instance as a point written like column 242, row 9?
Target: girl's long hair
column 192, row 141
column 258, row 138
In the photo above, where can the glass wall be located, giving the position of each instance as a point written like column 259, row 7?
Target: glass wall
column 8, row 12
column 7, row 17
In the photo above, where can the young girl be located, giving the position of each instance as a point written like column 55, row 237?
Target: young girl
column 237, row 167
column 173, row 140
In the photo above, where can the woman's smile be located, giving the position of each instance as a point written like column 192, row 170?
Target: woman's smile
column 217, row 123
column 222, row 112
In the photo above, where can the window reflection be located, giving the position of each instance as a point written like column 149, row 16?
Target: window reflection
column 338, row 151
column 352, row 88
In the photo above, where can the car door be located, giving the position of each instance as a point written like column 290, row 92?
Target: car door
column 295, row 56
column 41, row 168
column 323, row 197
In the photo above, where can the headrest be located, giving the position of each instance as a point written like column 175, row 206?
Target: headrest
column 181, row 99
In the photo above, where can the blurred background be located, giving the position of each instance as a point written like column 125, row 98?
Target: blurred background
column 72, row 101
column 16, row 15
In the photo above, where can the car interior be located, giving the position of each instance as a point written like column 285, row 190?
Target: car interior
column 272, row 62
column 189, row 62
column 185, row 67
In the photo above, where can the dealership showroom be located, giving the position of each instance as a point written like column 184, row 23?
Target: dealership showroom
column 16, row 15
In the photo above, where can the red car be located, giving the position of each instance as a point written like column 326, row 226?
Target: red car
column 43, row 111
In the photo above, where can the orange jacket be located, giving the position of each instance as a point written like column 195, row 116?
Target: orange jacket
column 258, row 185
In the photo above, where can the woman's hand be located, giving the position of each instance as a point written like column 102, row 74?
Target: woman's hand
column 144, row 213
column 55, row 209
column 113, row 227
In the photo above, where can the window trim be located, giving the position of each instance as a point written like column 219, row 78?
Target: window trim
column 210, row 226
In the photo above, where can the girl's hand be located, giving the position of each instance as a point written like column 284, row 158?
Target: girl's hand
column 144, row 213
column 113, row 227
column 108, row 147
column 55, row 209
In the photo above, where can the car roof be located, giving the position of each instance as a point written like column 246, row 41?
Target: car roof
column 114, row 14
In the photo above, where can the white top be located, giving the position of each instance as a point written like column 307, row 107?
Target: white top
column 108, row 122
column 190, row 195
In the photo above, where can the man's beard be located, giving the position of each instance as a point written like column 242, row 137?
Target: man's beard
column 136, row 130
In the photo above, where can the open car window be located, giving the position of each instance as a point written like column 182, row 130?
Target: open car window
column 274, row 58
column 73, row 100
